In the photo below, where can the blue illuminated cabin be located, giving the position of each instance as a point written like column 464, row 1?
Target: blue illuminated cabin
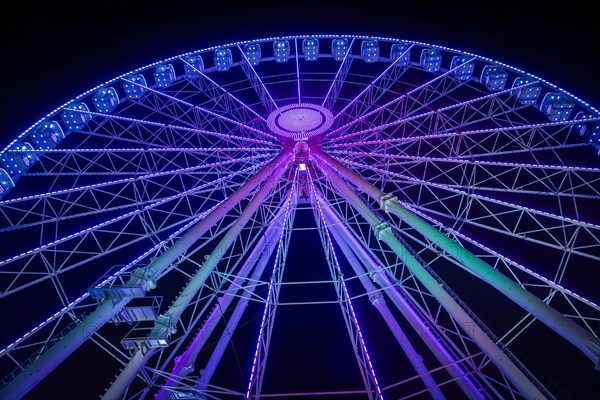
column 164, row 75
column 18, row 158
column 594, row 136
column 369, row 50
column 431, row 60
column 76, row 115
column 281, row 50
column 252, row 53
column 6, row 182
column 494, row 77
column 223, row 59
column 310, row 49
column 462, row 67
column 339, row 48
column 526, row 91
column 47, row 135
column 556, row 106
column 135, row 86
column 583, row 129
column 402, row 51
column 193, row 65
column 105, row 99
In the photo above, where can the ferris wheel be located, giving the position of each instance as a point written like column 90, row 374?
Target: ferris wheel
column 336, row 216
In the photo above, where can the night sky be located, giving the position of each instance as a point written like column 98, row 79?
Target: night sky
column 52, row 53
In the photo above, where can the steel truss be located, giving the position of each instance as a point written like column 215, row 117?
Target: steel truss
column 453, row 222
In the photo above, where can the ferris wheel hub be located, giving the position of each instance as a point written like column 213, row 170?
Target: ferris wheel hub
column 300, row 121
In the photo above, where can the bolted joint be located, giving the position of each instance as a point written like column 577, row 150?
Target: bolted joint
column 376, row 298
column 381, row 228
column 385, row 199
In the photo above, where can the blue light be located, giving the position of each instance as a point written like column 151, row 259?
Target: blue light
column 76, row 116
column 310, row 48
column 431, row 60
column 135, row 86
column 105, row 99
column 400, row 51
column 281, row 50
column 556, row 106
column 462, row 67
column 47, row 135
column 494, row 77
column 19, row 159
column 223, row 59
column 339, row 48
column 164, row 75
column 526, row 90
column 193, row 65
column 369, row 50
column 253, row 53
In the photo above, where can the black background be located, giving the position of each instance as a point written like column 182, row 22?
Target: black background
column 53, row 52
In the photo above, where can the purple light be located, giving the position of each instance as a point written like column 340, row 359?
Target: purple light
column 300, row 121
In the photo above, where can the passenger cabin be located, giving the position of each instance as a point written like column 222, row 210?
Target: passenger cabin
column 462, row 67
column 223, row 59
column 526, row 91
column 494, row 77
column 105, row 99
column 400, row 52
column 193, row 65
column 556, row 106
column 47, row 135
column 135, row 86
column 310, row 49
column 252, row 53
column 339, row 48
column 431, row 60
column 281, row 50
column 369, row 50
column 164, row 75
column 76, row 116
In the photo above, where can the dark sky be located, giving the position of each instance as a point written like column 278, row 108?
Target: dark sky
column 52, row 53
column 55, row 51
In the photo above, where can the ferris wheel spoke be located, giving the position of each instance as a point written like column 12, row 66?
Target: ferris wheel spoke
column 526, row 223
column 404, row 105
column 138, row 190
column 364, row 100
column 511, row 177
column 137, row 162
column 103, row 238
column 574, row 305
column 193, row 115
column 151, row 132
column 339, row 78
column 225, row 101
column 525, row 141
column 259, row 87
column 82, row 303
column 489, row 108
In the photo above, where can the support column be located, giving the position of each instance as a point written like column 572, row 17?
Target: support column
column 259, row 256
column 50, row 359
column 378, row 302
column 196, row 283
column 568, row 329
column 384, row 233
column 344, row 236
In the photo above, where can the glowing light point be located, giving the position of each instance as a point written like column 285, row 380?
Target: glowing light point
column 300, row 121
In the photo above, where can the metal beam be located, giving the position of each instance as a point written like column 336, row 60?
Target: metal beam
column 343, row 237
column 194, row 285
column 258, row 259
column 384, row 233
column 49, row 360
column 575, row 334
